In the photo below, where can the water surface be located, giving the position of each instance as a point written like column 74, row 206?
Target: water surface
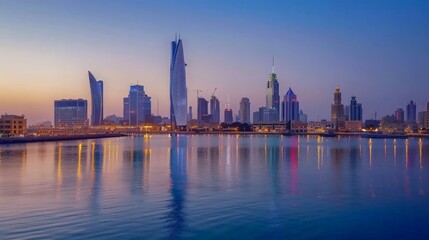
column 216, row 187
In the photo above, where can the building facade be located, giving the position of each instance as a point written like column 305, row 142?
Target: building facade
column 178, row 90
column 12, row 125
column 215, row 110
column 273, row 95
column 202, row 110
column 137, row 106
column 244, row 112
column 337, row 110
column 411, row 111
column 291, row 107
column 70, row 112
column 400, row 115
column 228, row 116
column 355, row 110
column 96, row 100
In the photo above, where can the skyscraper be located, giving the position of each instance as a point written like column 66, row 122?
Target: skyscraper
column 291, row 106
column 70, row 112
column 355, row 110
column 245, row 110
column 178, row 91
column 215, row 110
column 137, row 106
column 400, row 115
column 202, row 109
column 337, row 110
column 190, row 114
column 273, row 94
column 411, row 111
column 96, row 100
column 228, row 117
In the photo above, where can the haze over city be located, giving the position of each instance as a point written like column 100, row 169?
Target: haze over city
column 376, row 51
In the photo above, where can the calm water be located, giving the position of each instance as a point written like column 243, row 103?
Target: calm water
column 216, row 187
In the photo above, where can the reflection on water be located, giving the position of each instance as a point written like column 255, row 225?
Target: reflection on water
column 176, row 213
column 212, row 186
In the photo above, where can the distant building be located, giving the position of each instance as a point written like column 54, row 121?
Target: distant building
column 70, row 112
column 113, row 120
column 400, row 115
column 273, row 96
column 137, row 106
column 190, row 114
column 411, row 112
column 228, row 116
column 215, row 110
column 355, row 110
column 353, row 126
column 291, row 106
column 337, row 110
column 203, row 110
column 372, row 124
column 320, row 126
column 258, row 116
column 303, row 117
column 11, row 125
column 270, row 115
column 96, row 100
column 389, row 124
column 178, row 90
column 245, row 110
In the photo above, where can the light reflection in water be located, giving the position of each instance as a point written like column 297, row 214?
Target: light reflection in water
column 176, row 216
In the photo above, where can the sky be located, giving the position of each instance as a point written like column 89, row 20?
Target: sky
column 375, row 50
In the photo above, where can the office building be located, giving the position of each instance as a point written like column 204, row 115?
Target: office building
column 12, row 125
column 355, row 110
column 400, row 115
column 337, row 110
column 70, row 112
column 190, row 114
column 178, row 90
column 96, row 100
column 291, row 106
column 244, row 113
column 411, row 112
column 203, row 110
column 214, row 110
column 137, row 106
column 303, row 117
column 228, row 116
column 273, row 95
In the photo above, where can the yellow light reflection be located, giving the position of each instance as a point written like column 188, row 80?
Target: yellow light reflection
column 421, row 153
column 370, row 152
column 406, row 153
column 79, row 162
column 59, row 170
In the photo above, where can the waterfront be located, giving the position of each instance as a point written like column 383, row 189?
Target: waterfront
column 216, row 186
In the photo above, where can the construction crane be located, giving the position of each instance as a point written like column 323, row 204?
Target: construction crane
column 214, row 92
column 198, row 92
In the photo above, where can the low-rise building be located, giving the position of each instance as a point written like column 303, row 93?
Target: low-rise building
column 13, row 125
column 353, row 126
column 320, row 126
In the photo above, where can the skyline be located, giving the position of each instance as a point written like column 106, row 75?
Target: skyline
column 364, row 48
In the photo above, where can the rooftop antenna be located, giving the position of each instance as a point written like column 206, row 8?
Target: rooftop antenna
column 273, row 66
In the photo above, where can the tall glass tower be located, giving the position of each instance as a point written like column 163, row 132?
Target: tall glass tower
column 96, row 100
column 178, row 90
column 273, row 94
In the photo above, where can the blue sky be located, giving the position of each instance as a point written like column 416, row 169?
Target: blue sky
column 375, row 50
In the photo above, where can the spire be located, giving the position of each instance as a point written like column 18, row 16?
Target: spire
column 272, row 70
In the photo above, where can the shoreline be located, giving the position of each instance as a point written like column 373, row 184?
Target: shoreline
column 18, row 140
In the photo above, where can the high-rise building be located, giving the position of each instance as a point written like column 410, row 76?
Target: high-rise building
column 258, row 116
column 215, row 110
column 137, row 106
column 291, row 106
column 228, row 116
column 178, row 90
column 411, row 111
column 96, row 100
column 273, row 94
column 70, row 112
column 244, row 112
column 190, row 114
column 303, row 117
column 400, row 115
column 202, row 109
column 355, row 110
column 337, row 110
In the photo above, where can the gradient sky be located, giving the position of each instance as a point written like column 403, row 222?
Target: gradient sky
column 375, row 50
